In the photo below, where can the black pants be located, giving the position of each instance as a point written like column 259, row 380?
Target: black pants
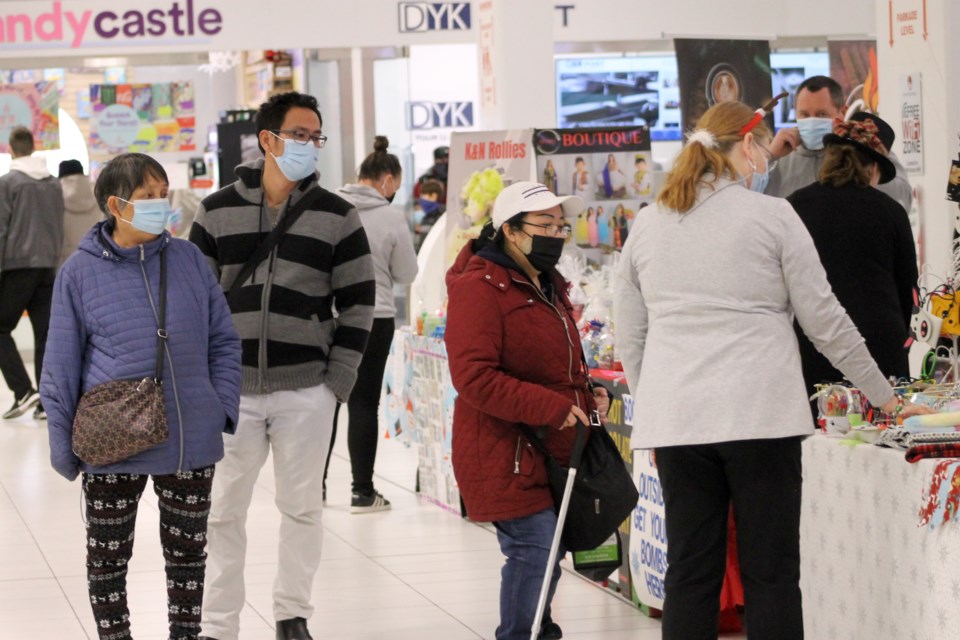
column 29, row 290
column 112, row 501
column 763, row 479
column 363, row 430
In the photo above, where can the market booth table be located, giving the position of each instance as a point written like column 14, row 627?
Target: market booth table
column 868, row 569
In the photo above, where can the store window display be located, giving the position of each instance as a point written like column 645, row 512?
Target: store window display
column 865, row 244
column 709, row 281
column 800, row 149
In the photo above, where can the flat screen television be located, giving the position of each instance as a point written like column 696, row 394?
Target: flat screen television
column 620, row 91
column 787, row 71
column 643, row 89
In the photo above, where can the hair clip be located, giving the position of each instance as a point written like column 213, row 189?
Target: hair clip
column 704, row 137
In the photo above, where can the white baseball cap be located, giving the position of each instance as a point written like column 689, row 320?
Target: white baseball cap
column 524, row 197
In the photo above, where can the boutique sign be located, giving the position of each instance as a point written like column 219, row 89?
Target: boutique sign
column 52, row 24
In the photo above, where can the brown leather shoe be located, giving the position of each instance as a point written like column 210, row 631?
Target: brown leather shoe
column 294, row 629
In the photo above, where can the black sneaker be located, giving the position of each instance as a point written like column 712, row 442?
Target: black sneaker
column 550, row 631
column 368, row 502
column 39, row 413
column 22, row 405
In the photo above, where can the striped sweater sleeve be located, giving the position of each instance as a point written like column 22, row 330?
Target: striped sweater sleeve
column 354, row 291
column 200, row 236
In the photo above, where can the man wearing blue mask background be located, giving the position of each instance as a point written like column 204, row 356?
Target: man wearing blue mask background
column 288, row 253
column 800, row 149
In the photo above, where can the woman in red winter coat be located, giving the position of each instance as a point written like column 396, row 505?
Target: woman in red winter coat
column 515, row 358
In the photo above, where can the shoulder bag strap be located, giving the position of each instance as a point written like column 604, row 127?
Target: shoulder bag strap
column 162, row 317
column 266, row 246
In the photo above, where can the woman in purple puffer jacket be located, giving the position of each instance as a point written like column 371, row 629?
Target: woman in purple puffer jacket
column 103, row 328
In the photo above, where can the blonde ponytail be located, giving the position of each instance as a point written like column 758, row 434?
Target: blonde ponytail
column 706, row 154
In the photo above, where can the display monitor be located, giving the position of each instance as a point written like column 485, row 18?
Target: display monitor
column 787, row 71
column 642, row 89
column 620, row 91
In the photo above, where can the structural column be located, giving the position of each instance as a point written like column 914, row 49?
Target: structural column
column 515, row 53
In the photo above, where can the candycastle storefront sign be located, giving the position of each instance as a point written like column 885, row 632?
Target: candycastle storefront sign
column 72, row 25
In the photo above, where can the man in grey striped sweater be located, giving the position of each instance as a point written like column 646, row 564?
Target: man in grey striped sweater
column 298, row 361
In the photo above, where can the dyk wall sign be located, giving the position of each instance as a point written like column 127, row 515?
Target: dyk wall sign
column 434, row 16
column 439, row 115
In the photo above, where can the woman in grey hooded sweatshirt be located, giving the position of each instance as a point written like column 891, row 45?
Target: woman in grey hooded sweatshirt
column 394, row 262
column 80, row 207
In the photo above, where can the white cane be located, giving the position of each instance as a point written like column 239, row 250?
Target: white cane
column 558, row 532
column 554, row 549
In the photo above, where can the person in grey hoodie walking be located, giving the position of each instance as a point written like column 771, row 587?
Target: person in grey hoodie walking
column 80, row 207
column 394, row 262
column 31, row 232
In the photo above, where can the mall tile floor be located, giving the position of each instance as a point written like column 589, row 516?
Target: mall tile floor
column 413, row 573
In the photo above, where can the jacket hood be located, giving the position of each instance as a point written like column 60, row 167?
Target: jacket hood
column 78, row 195
column 459, row 265
column 33, row 166
column 496, row 265
column 480, row 255
column 250, row 182
column 99, row 242
column 362, row 197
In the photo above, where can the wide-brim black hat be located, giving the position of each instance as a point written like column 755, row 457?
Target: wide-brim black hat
column 863, row 135
column 884, row 131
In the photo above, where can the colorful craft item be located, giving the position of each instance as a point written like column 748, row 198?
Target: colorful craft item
column 949, row 419
column 941, row 501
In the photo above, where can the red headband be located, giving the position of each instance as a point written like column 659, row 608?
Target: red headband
column 761, row 113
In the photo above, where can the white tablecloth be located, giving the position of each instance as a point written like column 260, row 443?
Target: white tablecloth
column 868, row 571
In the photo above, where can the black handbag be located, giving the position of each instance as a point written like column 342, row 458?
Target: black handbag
column 604, row 494
column 118, row 419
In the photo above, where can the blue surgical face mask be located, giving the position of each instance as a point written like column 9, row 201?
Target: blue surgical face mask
column 297, row 160
column 149, row 216
column 812, row 131
column 759, row 181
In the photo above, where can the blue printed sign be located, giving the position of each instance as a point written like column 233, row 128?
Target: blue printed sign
column 648, row 537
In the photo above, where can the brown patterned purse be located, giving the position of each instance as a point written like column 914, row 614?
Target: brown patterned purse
column 118, row 419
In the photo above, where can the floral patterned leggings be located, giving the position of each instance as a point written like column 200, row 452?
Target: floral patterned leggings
column 111, row 501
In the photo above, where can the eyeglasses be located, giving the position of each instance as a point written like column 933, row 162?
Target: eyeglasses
column 771, row 159
column 302, row 137
column 553, row 230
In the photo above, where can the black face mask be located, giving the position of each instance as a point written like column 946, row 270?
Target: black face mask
column 545, row 252
column 391, row 197
column 440, row 170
